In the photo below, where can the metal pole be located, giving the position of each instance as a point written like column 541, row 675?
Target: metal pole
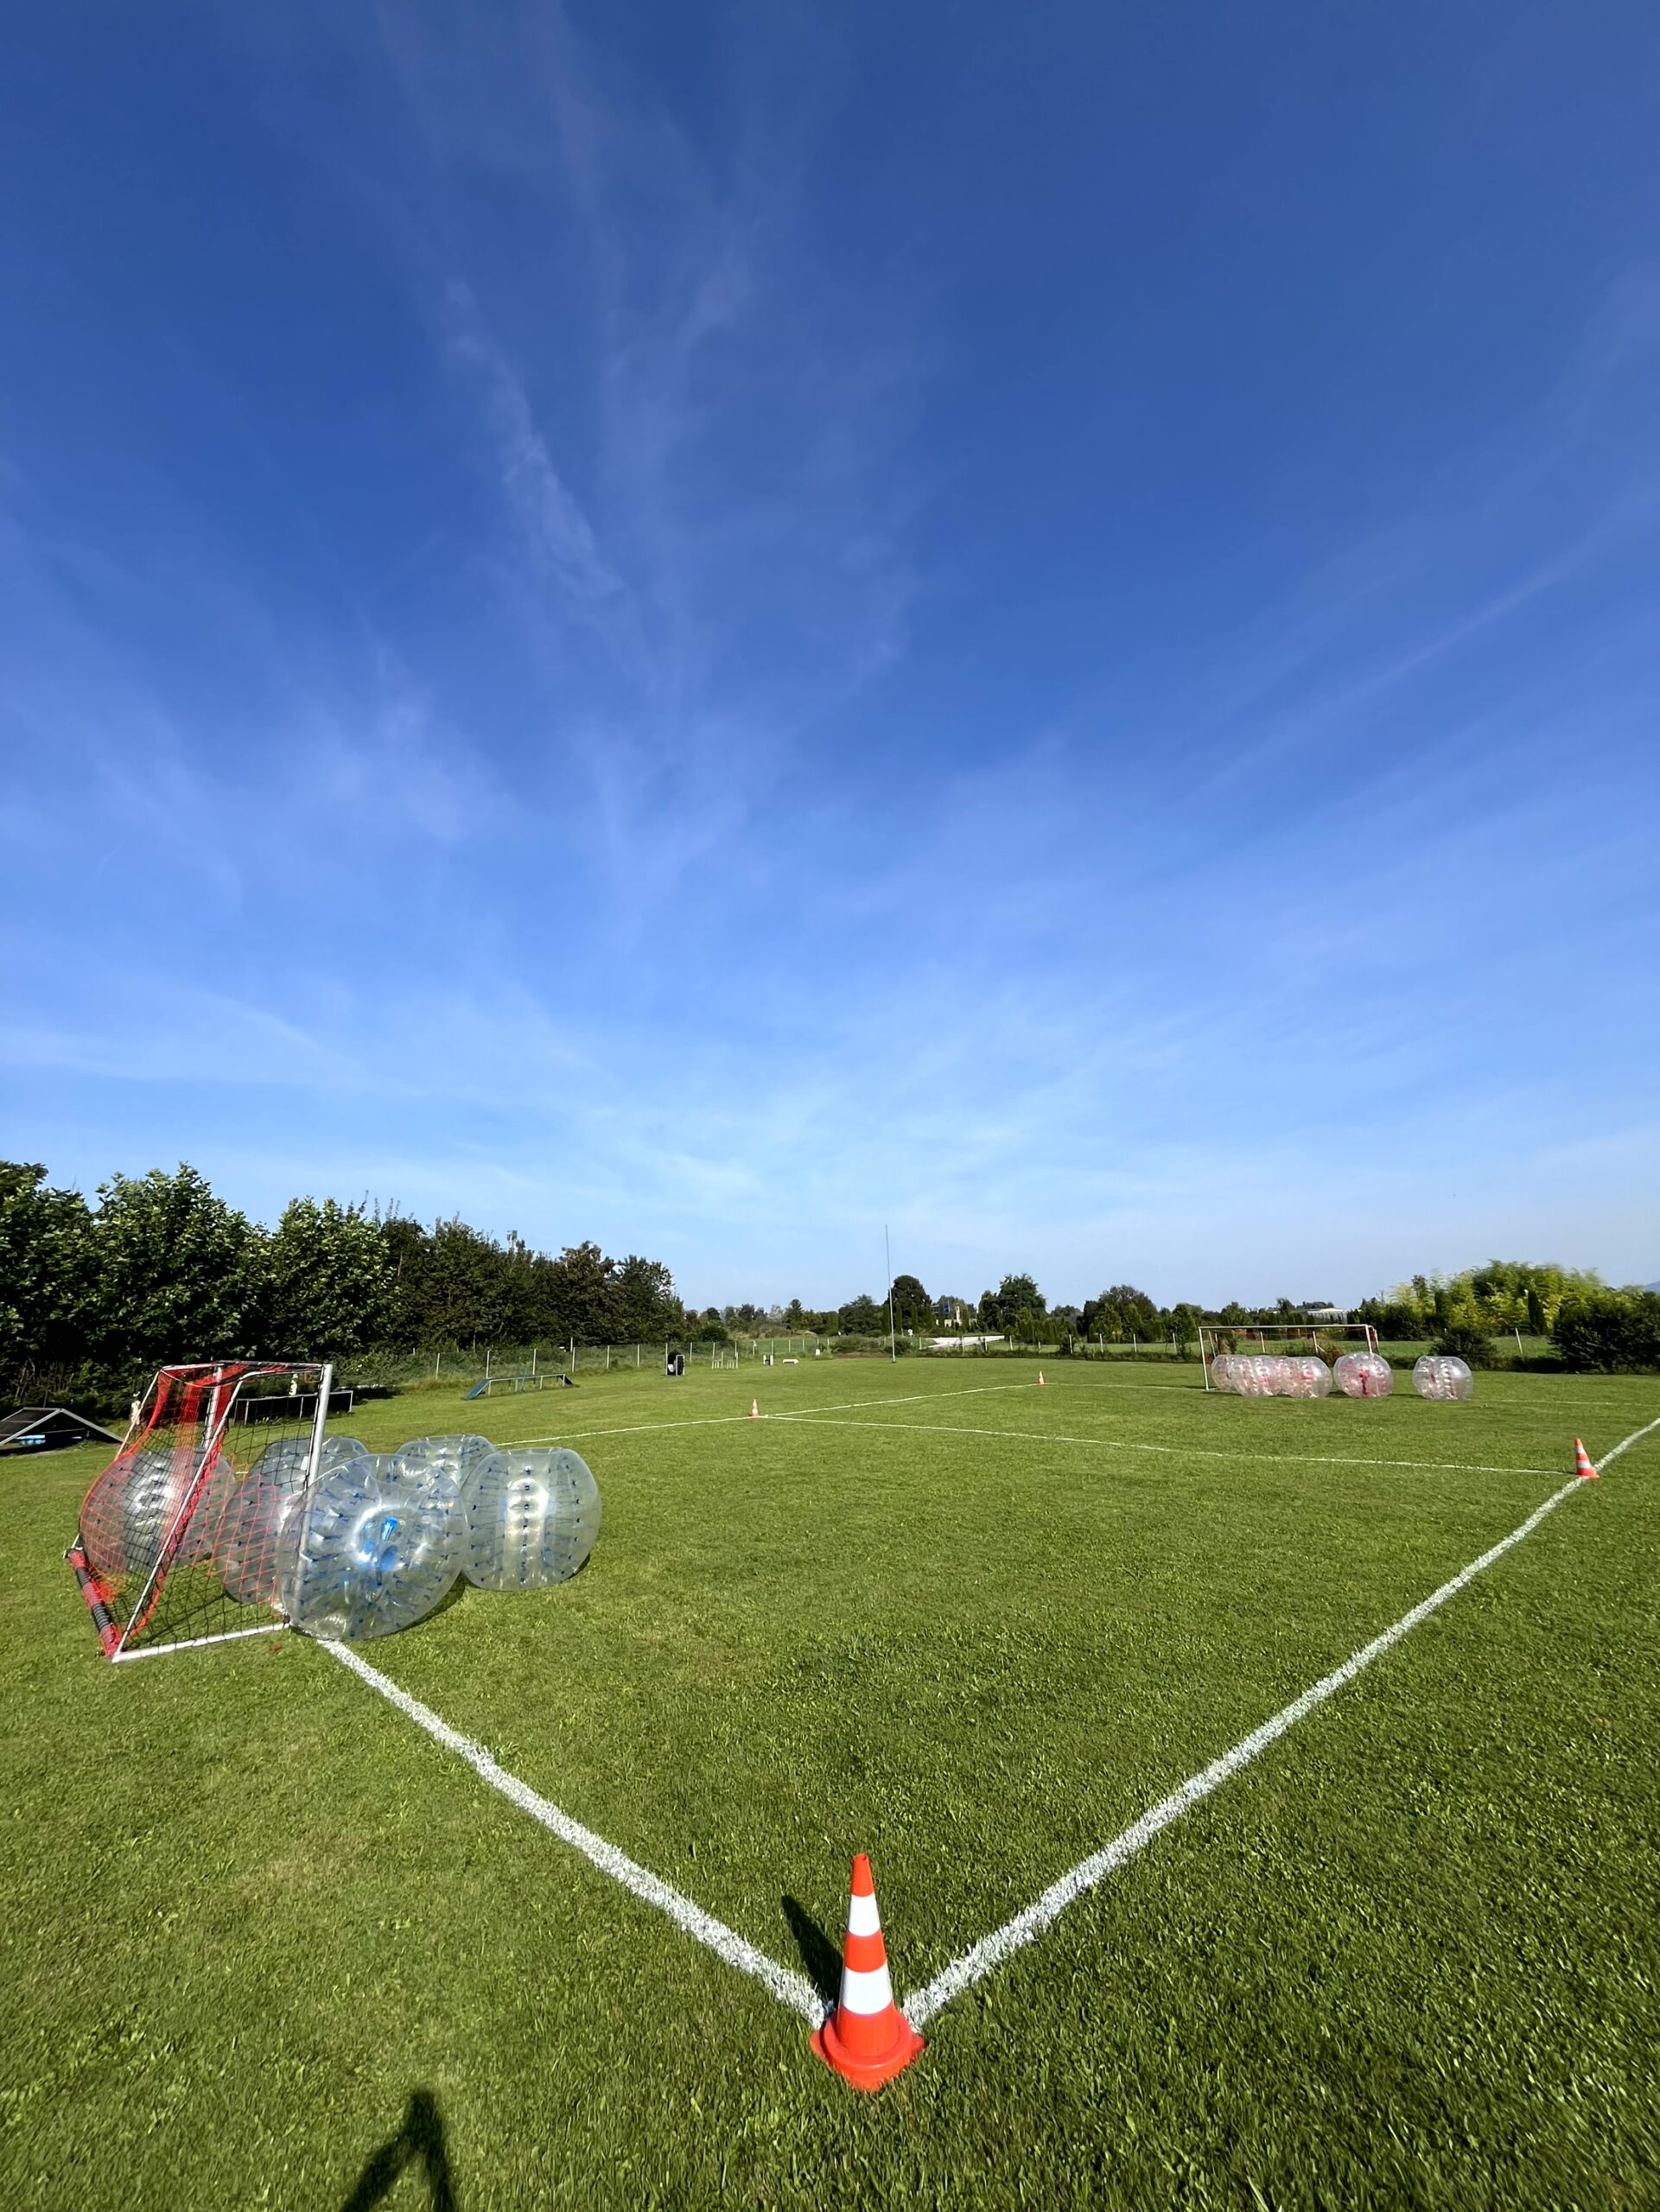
column 325, row 1386
column 887, row 1254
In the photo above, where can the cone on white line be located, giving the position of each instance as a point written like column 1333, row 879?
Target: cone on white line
column 1040, row 1378
column 1582, row 1466
column 755, row 1409
column 867, row 2039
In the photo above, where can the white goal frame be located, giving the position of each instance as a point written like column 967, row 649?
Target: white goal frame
column 1210, row 1331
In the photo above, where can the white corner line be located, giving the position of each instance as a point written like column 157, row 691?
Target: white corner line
column 791, row 1989
column 992, row 1951
column 1166, row 1451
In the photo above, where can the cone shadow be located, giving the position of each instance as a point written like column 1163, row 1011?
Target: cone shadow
column 820, row 1959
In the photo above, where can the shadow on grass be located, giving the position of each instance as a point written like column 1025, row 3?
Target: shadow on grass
column 819, row 1956
column 419, row 2141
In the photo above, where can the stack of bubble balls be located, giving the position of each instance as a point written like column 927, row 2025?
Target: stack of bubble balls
column 1439, row 1375
column 386, row 1535
column 1270, row 1375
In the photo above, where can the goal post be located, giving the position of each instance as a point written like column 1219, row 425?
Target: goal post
column 181, row 1539
column 1322, row 1339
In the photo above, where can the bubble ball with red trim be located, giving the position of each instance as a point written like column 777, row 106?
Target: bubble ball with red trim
column 1363, row 1374
column 1442, row 1376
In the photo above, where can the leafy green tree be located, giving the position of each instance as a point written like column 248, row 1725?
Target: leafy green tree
column 643, row 1301
column 795, row 1317
column 47, row 1271
column 1019, row 1294
column 913, row 1307
column 1610, row 1332
column 327, row 1291
column 862, row 1317
column 177, row 1271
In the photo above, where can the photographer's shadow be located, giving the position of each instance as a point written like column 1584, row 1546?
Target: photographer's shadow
column 420, row 2140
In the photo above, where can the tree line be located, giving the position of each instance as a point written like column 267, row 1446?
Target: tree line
column 160, row 1268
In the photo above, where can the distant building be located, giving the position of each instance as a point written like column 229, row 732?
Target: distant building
column 1321, row 1309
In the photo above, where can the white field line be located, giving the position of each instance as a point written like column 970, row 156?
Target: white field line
column 992, row 1951
column 791, row 1989
column 1173, row 1451
column 717, row 1420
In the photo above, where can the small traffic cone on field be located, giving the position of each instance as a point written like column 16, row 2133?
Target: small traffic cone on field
column 1040, row 1384
column 867, row 2039
column 755, row 1409
column 1582, row 1466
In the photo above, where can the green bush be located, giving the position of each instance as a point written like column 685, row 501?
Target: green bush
column 1461, row 1341
column 1611, row 1333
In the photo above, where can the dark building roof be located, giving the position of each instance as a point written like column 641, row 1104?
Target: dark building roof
column 43, row 1428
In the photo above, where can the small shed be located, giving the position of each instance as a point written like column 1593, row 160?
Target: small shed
column 48, row 1428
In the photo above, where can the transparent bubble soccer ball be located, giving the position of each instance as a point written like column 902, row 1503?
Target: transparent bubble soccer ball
column 130, row 1511
column 533, row 1516
column 258, row 1531
column 460, row 1457
column 377, row 1551
column 1439, row 1375
column 1222, row 1367
column 1248, row 1379
column 1364, row 1374
column 1306, row 1376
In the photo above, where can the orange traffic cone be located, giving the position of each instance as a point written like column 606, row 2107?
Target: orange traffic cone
column 866, row 2038
column 755, row 1409
column 1040, row 1378
column 1582, row 1466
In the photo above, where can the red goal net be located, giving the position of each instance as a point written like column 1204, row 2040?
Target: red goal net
column 181, row 1538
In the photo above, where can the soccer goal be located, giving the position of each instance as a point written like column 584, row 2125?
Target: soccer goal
column 181, row 1539
column 1324, row 1340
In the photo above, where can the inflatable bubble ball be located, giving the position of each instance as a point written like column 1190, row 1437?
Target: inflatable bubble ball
column 378, row 1550
column 1306, row 1376
column 1248, row 1379
column 130, row 1511
column 1363, row 1374
column 533, row 1516
column 1222, row 1367
column 1439, row 1375
column 254, row 1544
column 458, row 1457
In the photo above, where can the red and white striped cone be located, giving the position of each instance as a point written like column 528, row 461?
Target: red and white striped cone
column 755, row 1409
column 1582, row 1466
column 867, row 2039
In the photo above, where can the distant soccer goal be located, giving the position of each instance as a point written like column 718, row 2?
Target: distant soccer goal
column 1288, row 1339
column 181, row 1538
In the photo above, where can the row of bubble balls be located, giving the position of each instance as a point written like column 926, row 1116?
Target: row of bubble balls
column 1357, row 1375
column 382, row 1537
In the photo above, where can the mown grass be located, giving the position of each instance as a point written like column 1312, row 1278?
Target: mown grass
column 1410, row 1957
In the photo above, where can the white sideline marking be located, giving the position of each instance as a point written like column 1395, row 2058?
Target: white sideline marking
column 716, row 1421
column 1174, row 1450
column 991, row 1950
column 789, row 1988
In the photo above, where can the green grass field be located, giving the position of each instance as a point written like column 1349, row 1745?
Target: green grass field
column 266, row 1944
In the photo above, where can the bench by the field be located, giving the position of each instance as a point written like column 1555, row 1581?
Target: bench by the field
column 526, row 1379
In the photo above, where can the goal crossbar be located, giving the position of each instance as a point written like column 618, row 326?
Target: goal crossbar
column 1211, row 1334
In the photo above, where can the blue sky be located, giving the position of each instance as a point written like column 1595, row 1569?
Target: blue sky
column 709, row 627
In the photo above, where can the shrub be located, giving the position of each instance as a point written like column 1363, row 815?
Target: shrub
column 1461, row 1341
column 1611, row 1333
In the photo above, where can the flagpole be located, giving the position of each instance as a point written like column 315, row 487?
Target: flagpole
column 887, row 1254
